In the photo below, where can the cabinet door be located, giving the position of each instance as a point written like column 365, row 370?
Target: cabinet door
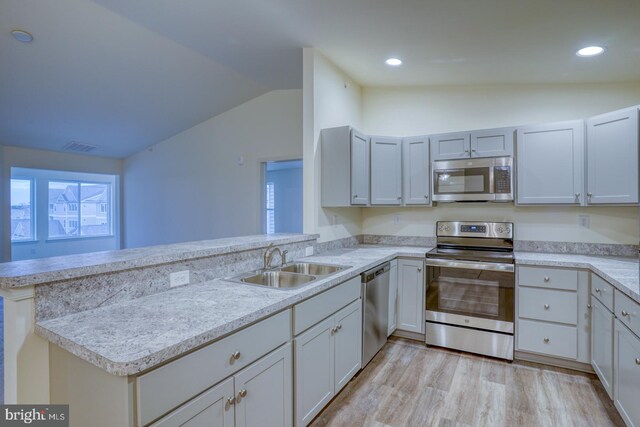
column 264, row 391
column 627, row 374
column 386, row 171
column 359, row 168
column 612, row 157
column 314, row 371
column 393, row 296
column 550, row 163
column 415, row 170
column 348, row 344
column 602, row 344
column 210, row 409
column 450, row 146
column 411, row 295
column 492, row 142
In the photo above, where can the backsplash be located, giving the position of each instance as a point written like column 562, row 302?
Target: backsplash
column 602, row 249
column 72, row 296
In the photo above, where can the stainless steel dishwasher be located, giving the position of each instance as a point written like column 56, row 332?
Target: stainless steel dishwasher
column 375, row 291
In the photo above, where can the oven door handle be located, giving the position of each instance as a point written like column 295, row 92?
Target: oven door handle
column 470, row 265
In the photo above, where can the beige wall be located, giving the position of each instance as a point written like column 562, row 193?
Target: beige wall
column 331, row 98
column 191, row 187
column 426, row 110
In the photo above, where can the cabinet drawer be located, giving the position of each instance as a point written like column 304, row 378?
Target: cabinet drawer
column 309, row 312
column 602, row 290
column 549, row 339
column 165, row 388
column 548, row 304
column 545, row 277
column 628, row 312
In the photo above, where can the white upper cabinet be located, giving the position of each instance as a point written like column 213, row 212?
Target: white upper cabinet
column 450, row 146
column 415, row 170
column 550, row 160
column 612, row 158
column 344, row 167
column 492, row 142
column 386, row 171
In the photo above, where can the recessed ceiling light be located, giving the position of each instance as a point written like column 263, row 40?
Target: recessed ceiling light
column 394, row 62
column 590, row 51
column 22, row 36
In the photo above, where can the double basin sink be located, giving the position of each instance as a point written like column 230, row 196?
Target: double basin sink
column 289, row 276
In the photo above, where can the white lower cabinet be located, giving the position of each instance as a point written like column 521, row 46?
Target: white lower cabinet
column 411, row 295
column 259, row 395
column 627, row 374
column 327, row 356
column 602, row 322
column 393, row 297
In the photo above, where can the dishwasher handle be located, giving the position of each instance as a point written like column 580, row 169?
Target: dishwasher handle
column 375, row 272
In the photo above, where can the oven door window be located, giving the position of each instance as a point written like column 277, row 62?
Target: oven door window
column 475, row 293
column 462, row 181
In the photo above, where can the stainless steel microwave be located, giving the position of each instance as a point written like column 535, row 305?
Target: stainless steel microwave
column 473, row 180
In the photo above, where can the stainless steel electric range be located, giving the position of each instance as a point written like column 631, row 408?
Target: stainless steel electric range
column 470, row 297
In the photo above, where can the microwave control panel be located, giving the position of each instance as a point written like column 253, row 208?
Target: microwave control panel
column 502, row 179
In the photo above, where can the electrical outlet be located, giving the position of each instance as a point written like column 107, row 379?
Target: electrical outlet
column 583, row 221
column 396, row 219
column 179, row 278
column 308, row 251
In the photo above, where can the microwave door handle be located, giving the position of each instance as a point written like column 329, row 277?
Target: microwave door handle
column 492, row 185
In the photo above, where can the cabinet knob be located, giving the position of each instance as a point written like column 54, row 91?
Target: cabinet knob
column 419, row 269
column 231, row 401
column 546, row 340
column 473, row 151
column 638, row 361
column 334, row 330
column 546, row 279
column 355, row 196
column 588, row 305
column 242, row 393
column 466, row 151
column 235, row 355
column 598, row 290
column 546, row 306
column 589, row 196
column 426, row 196
column 339, row 326
column 577, row 195
column 399, row 197
column 624, row 312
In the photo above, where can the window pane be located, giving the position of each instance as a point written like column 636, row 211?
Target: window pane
column 21, row 210
column 95, row 209
column 63, row 209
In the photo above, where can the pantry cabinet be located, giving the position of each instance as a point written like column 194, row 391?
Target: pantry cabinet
column 411, row 295
column 327, row 356
column 416, row 179
column 550, row 160
column 612, row 158
column 345, row 161
column 386, row 171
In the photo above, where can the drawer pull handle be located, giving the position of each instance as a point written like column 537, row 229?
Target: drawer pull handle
column 598, row 290
column 242, row 393
column 546, row 306
column 235, row 355
column 546, row 340
column 638, row 361
column 546, row 279
column 624, row 312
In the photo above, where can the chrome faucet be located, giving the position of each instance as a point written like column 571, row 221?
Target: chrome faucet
column 268, row 256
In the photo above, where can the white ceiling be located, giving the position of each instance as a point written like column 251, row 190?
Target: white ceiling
column 124, row 74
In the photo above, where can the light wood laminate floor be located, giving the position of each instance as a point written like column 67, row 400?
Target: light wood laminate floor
column 408, row 384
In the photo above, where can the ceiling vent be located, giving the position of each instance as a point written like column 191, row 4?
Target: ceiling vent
column 79, row 147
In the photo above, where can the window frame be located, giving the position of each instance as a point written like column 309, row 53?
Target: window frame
column 78, row 211
column 32, row 208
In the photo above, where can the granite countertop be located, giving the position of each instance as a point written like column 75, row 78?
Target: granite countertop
column 129, row 337
column 31, row 272
column 622, row 273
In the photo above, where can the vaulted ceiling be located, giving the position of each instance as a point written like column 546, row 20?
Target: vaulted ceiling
column 124, row 74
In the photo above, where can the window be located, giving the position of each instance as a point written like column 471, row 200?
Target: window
column 21, row 210
column 79, row 209
column 271, row 208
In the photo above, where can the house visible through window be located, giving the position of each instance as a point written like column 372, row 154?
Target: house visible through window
column 21, row 210
column 282, row 188
column 92, row 219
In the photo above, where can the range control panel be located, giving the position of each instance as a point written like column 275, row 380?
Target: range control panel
column 503, row 230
